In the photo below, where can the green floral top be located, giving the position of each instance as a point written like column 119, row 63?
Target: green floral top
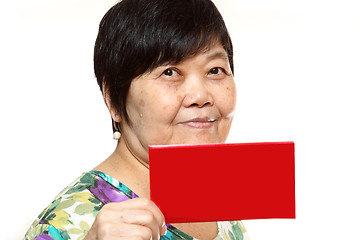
column 73, row 211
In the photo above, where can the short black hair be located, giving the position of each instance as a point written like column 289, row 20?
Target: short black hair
column 136, row 36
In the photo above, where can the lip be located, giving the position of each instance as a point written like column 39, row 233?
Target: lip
column 199, row 122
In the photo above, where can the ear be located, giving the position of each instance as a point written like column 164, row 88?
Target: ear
column 115, row 115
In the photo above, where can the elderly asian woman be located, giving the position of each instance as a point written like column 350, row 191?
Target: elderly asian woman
column 165, row 69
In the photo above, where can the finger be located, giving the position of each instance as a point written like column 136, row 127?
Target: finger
column 110, row 230
column 140, row 203
column 125, row 231
column 141, row 217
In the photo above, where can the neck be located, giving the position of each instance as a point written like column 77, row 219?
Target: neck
column 125, row 142
column 124, row 166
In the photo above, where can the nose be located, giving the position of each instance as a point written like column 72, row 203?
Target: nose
column 198, row 94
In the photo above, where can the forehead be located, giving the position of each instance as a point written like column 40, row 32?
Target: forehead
column 216, row 51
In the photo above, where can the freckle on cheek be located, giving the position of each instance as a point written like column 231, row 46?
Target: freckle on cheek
column 179, row 98
column 142, row 103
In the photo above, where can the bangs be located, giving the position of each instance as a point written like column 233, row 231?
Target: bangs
column 189, row 45
column 169, row 38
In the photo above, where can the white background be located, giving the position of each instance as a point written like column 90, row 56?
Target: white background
column 296, row 66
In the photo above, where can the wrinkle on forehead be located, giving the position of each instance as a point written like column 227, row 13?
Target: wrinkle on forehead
column 218, row 54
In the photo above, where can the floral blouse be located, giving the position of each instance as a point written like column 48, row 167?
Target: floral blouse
column 73, row 211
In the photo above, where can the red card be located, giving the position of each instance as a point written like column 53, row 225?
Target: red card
column 223, row 182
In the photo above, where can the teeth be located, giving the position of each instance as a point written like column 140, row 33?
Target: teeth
column 212, row 120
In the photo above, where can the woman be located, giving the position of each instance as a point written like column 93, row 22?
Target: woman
column 165, row 69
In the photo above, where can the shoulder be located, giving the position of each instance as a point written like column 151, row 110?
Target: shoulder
column 74, row 209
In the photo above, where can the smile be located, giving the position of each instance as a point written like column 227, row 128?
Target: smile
column 199, row 123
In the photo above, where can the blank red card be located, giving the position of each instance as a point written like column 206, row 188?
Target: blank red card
column 223, row 182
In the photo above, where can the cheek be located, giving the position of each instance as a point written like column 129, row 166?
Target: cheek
column 142, row 103
column 158, row 107
column 227, row 99
column 167, row 108
column 232, row 94
column 227, row 109
column 179, row 98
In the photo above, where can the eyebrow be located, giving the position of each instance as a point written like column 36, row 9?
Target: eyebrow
column 218, row 54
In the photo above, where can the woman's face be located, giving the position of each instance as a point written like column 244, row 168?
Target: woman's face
column 191, row 102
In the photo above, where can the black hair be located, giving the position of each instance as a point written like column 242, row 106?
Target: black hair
column 136, row 36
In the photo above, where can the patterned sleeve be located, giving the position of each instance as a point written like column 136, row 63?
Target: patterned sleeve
column 43, row 232
column 70, row 215
column 232, row 230
column 74, row 210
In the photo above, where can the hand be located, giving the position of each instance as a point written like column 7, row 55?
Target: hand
column 137, row 218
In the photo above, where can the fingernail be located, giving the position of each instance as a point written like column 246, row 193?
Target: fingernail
column 164, row 228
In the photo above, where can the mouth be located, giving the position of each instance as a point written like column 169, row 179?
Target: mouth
column 199, row 122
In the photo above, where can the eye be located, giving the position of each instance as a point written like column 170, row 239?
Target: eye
column 170, row 72
column 216, row 70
